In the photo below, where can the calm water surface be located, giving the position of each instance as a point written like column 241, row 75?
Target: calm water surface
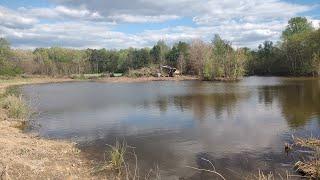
column 241, row 127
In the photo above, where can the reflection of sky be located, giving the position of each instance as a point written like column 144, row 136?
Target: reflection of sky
column 175, row 120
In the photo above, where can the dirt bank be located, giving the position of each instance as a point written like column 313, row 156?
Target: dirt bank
column 4, row 83
column 26, row 156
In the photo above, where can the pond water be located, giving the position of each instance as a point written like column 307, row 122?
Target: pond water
column 241, row 127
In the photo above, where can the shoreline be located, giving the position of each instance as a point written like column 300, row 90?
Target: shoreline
column 125, row 79
column 26, row 156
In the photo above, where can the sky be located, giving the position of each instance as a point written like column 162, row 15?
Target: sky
column 117, row 24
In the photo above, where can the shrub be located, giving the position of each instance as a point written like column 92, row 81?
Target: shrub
column 9, row 70
column 16, row 106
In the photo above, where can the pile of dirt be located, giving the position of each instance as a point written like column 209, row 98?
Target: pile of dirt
column 143, row 72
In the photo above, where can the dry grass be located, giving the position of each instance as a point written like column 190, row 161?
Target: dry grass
column 271, row 176
column 263, row 176
column 311, row 167
column 16, row 107
column 311, row 142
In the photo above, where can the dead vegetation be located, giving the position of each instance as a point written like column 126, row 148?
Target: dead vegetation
column 272, row 176
column 311, row 142
column 310, row 168
column 16, row 107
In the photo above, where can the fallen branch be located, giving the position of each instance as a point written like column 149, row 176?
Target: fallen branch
column 215, row 172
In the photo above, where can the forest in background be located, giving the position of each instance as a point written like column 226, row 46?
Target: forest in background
column 296, row 54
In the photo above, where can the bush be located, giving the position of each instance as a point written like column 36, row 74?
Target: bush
column 16, row 106
column 7, row 70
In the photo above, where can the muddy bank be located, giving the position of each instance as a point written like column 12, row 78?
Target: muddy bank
column 26, row 156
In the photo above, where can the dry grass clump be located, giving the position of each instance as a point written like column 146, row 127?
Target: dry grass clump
column 117, row 153
column 311, row 142
column 310, row 167
column 16, row 107
column 117, row 164
column 115, row 160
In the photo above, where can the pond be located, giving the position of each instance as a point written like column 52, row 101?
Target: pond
column 241, row 127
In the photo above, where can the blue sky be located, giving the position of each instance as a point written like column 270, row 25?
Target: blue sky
column 116, row 24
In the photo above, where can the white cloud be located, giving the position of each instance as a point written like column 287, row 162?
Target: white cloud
column 142, row 19
column 73, row 35
column 85, row 23
column 247, row 11
column 315, row 23
column 202, row 11
column 240, row 34
column 13, row 19
column 60, row 12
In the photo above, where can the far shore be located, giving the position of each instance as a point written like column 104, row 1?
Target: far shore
column 5, row 82
column 146, row 79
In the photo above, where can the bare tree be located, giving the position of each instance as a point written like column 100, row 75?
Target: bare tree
column 200, row 52
column 181, row 63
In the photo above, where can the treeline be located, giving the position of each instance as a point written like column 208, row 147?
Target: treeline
column 298, row 54
column 217, row 59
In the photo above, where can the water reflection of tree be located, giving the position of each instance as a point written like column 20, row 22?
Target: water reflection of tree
column 204, row 104
column 162, row 103
column 299, row 100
